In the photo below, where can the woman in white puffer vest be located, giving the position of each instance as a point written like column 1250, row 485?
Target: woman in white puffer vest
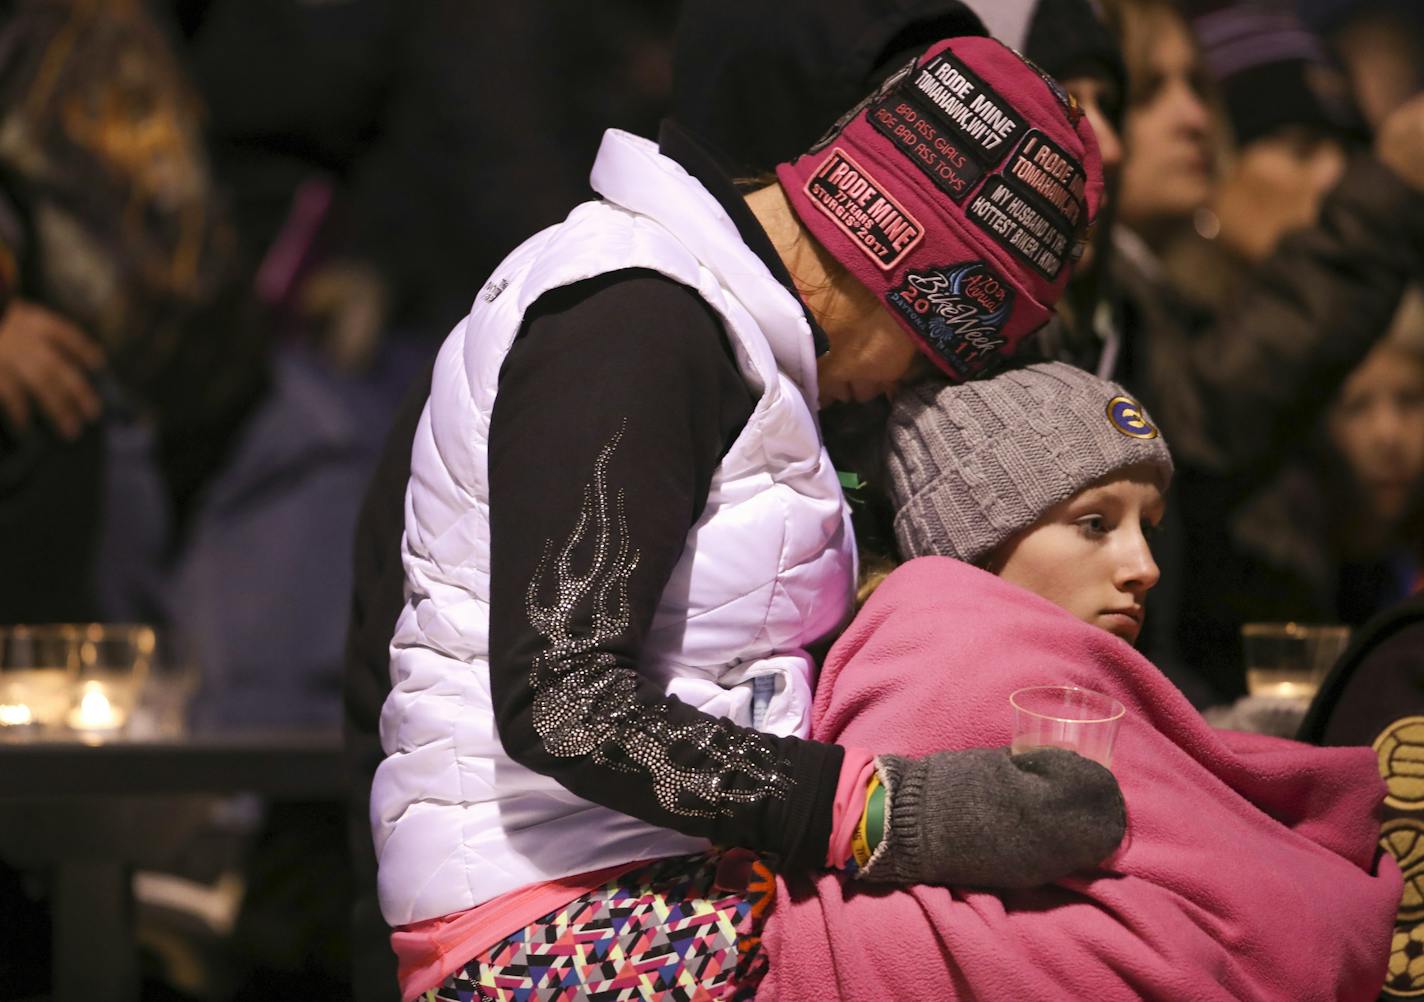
column 623, row 535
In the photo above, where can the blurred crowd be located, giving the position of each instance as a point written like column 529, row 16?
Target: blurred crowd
column 234, row 232
column 1259, row 251
column 230, row 234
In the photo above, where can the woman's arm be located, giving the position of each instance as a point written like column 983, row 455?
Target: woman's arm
column 612, row 414
column 614, row 409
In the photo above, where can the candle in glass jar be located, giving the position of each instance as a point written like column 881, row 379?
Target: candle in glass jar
column 1281, row 684
column 1286, row 690
column 15, row 715
column 34, row 696
column 94, row 712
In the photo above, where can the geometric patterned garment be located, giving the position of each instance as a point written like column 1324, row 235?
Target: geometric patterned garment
column 681, row 929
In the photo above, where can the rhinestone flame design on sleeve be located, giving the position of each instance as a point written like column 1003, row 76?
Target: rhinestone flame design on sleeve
column 585, row 702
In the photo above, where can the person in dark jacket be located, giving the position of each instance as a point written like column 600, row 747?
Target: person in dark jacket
column 1375, row 696
column 120, row 248
column 1338, row 535
column 368, row 193
column 376, row 601
column 1326, row 540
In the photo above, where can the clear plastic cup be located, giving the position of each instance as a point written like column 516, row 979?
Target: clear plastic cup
column 1066, row 716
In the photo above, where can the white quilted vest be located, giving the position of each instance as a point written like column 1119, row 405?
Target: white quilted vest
column 766, row 571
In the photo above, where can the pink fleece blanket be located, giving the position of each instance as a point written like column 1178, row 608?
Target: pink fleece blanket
column 1250, row 868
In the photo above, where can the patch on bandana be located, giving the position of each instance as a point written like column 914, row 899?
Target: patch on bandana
column 986, row 124
column 1021, row 225
column 863, row 210
column 1051, row 173
column 959, row 310
column 928, row 145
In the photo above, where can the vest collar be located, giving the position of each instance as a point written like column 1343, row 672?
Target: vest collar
column 700, row 161
column 630, row 173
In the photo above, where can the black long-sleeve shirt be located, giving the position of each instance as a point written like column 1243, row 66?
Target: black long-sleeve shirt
column 615, row 405
column 379, row 579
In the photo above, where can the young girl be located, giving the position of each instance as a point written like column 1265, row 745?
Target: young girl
column 1047, row 477
column 622, row 534
column 1250, row 867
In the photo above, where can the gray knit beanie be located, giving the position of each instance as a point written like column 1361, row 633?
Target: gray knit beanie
column 971, row 464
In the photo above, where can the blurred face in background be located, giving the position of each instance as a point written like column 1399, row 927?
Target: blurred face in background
column 1384, row 58
column 1098, row 96
column 1276, row 185
column 1102, row 106
column 1377, row 426
column 1168, row 130
column 1090, row 555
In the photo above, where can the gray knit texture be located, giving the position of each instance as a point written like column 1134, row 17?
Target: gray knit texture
column 969, row 465
column 984, row 818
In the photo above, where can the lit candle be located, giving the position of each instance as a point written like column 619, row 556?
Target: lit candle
column 15, row 715
column 1287, row 690
column 94, row 712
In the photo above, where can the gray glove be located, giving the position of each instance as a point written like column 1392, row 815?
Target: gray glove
column 984, row 818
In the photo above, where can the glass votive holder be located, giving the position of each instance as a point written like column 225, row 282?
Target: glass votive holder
column 114, row 660
column 1288, row 661
column 172, row 680
column 1066, row 716
column 38, row 666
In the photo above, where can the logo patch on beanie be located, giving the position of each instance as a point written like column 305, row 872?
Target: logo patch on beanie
column 863, row 210
column 1126, row 416
column 1034, row 209
column 960, row 310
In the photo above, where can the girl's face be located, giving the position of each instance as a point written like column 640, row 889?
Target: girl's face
column 1090, row 554
column 1377, row 425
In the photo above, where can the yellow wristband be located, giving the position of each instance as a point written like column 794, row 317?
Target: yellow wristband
column 859, row 841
